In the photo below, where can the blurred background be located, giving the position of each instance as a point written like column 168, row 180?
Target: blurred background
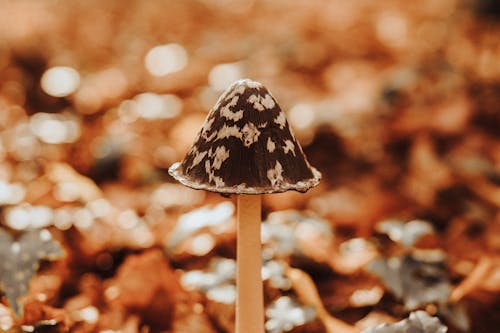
column 397, row 103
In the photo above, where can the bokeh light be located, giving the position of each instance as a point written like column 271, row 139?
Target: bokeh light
column 165, row 59
column 301, row 116
column 150, row 106
column 55, row 128
column 392, row 29
column 60, row 81
column 26, row 216
column 11, row 193
column 223, row 75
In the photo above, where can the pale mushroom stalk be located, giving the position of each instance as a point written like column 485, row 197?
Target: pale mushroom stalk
column 250, row 294
column 246, row 148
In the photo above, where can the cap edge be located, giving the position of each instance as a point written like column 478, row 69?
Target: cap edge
column 302, row 186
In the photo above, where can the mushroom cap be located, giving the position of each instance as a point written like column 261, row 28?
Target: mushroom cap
column 246, row 147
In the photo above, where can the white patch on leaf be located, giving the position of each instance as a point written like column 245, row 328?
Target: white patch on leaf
column 270, row 145
column 275, row 175
column 250, row 134
column 15, row 247
column 45, row 235
column 289, row 146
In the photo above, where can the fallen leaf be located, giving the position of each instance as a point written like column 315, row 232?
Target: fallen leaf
column 417, row 322
column 417, row 278
column 20, row 259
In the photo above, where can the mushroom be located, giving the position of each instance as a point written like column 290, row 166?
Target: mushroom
column 246, row 147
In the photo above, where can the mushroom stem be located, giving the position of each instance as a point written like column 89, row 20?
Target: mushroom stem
column 250, row 294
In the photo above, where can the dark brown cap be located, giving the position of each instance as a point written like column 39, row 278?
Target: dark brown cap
column 246, row 147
